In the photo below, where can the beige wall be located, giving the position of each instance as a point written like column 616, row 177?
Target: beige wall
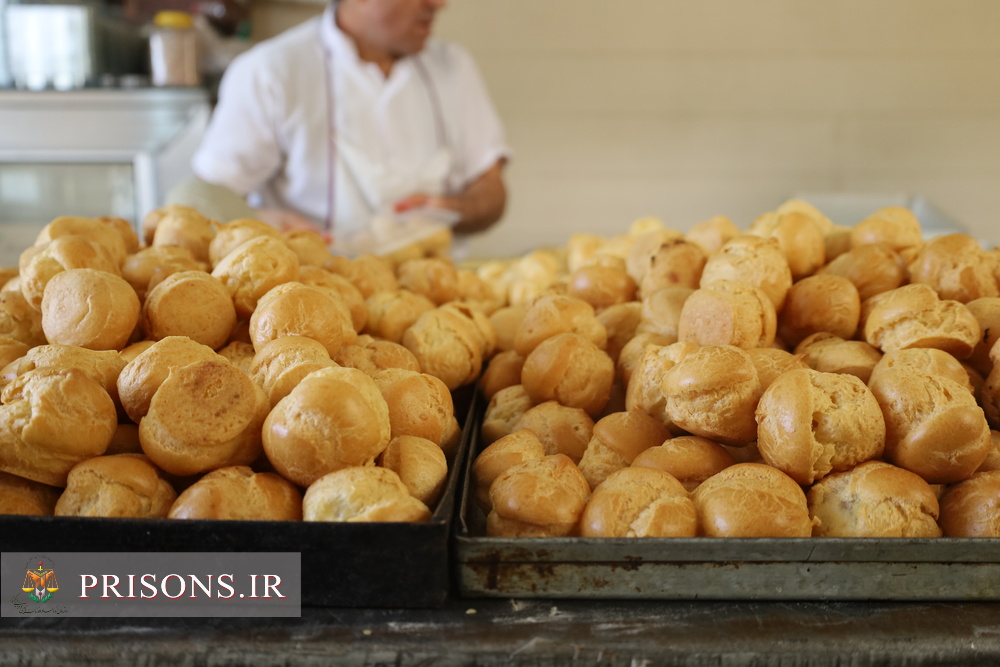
column 685, row 109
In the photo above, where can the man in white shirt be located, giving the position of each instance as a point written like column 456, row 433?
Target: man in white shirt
column 355, row 115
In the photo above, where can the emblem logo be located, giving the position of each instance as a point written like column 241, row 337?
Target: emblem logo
column 40, row 582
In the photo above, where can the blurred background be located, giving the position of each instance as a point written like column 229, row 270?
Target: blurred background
column 685, row 110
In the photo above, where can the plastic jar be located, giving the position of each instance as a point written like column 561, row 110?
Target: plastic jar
column 173, row 50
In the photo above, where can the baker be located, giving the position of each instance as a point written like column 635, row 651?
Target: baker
column 350, row 118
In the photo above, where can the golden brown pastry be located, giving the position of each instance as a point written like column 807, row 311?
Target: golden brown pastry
column 294, row 309
column 203, row 416
column 644, row 391
column 676, row 262
column 971, row 508
column 186, row 228
column 503, row 411
column 253, row 268
column 316, row 276
column 357, row 494
column 420, row 464
column 827, row 303
column 914, row 316
column 502, row 371
column 125, row 229
column 230, row 235
column 713, row 392
column 10, row 351
column 39, row 264
column 308, row 245
column 133, row 350
column 148, row 267
column 728, row 313
column 873, row 268
column 562, row 429
column 476, row 292
column 826, row 352
column 282, row 363
column 992, row 461
column 752, row 259
column 801, row 239
column 934, row 427
column 237, row 493
column 631, row 354
column 640, row 247
column 924, row 360
column 570, row 369
column 810, row 424
column 553, row 314
column 661, row 311
column 419, row 405
column 391, row 313
column 602, row 286
column 433, row 277
column 506, row 321
column 956, row 266
column 141, row 377
column 104, row 366
column 125, row 440
column 26, row 497
column 334, row 418
column 239, row 354
column 616, row 440
column 50, row 420
column 368, row 273
column 447, row 345
column 506, row 452
column 639, row 502
column 92, row 229
column 771, row 362
column 987, row 312
column 372, row 355
column 620, row 322
column 688, row 458
column 874, row 499
column 752, row 500
column 481, row 325
column 19, row 321
column 538, row 498
column 117, row 486
column 189, row 303
column 89, row 308
column 895, row 226
column 713, row 233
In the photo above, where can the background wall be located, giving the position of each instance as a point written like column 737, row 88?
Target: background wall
column 684, row 110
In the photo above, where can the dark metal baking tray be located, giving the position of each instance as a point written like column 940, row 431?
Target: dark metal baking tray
column 715, row 568
column 379, row 565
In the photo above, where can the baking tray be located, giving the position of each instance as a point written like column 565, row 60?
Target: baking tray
column 378, row 565
column 708, row 568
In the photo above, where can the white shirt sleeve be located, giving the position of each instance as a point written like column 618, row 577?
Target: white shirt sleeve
column 241, row 148
column 480, row 140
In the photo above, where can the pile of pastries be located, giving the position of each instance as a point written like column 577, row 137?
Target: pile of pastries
column 204, row 370
column 795, row 378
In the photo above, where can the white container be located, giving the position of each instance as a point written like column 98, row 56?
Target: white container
column 173, row 50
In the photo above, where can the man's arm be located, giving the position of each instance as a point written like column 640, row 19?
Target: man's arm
column 480, row 205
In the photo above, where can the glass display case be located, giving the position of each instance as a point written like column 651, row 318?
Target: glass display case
column 109, row 152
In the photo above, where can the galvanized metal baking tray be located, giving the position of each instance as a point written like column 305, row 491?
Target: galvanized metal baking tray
column 379, row 565
column 717, row 568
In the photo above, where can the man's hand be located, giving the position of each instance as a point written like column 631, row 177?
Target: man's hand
column 479, row 206
column 287, row 221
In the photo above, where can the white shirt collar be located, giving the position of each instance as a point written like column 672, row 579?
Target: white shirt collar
column 334, row 39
